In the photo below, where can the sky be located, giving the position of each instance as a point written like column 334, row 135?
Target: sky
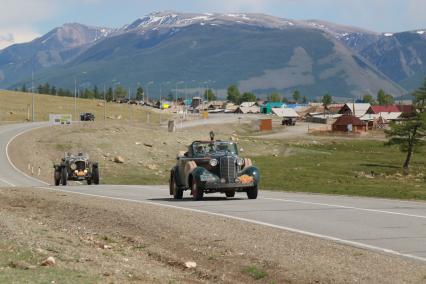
column 24, row 20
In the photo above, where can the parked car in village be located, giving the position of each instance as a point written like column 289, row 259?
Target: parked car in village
column 213, row 166
column 76, row 168
column 87, row 116
column 288, row 121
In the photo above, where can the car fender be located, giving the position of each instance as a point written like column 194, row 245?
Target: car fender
column 190, row 166
column 198, row 172
column 253, row 172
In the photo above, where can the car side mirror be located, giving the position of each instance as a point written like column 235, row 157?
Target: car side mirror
column 186, row 154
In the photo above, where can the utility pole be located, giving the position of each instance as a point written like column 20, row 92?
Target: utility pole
column 75, row 99
column 105, row 105
column 33, row 98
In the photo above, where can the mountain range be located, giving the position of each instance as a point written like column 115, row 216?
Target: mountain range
column 258, row 52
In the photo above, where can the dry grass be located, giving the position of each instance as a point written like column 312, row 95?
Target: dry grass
column 17, row 106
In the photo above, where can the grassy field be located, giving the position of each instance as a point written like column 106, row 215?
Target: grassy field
column 362, row 168
column 17, row 106
column 18, row 265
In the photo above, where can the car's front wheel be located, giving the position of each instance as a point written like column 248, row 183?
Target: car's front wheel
column 174, row 189
column 230, row 194
column 197, row 192
column 252, row 192
column 95, row 175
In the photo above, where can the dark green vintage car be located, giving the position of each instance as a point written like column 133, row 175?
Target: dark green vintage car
column 213, row 166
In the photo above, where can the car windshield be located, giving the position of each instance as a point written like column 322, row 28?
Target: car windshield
column 206, row 148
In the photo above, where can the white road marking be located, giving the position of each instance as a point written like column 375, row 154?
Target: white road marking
column 6, row 182
column 331, row 238
column 347, row 207
column 10, row 161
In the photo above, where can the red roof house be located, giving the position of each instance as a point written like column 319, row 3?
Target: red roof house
column 380, row 109
column 349, row 123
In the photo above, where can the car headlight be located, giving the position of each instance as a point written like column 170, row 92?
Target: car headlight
column 240, row 161
column 85, row 171
column 213, row 162
column 73, row 166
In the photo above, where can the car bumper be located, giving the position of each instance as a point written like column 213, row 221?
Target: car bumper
column 225, row 186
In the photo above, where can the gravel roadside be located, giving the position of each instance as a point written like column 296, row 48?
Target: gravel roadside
column 132, row 243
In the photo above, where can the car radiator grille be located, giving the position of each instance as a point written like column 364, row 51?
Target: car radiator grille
column 228, row 169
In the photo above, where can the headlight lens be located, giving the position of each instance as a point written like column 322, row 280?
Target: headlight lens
column 240, row 161
column 213, row 162
column 73, row 166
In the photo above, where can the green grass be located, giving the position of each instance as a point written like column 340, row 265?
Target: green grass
column 362, row 168
column 18, row 265
column 255, row 272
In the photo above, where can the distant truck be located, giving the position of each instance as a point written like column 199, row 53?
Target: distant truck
column 87, row 116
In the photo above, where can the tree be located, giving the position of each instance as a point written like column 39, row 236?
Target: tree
column 326, row 100
column 139, row 93
column 120, row 92
column 296, row 96
column 274, row 97
column 209, row 95
column 109, row 95
column 384, row 99
column 368, row 99
column 53, row 91
column 410, row 133
column 24, row 88
column 96, row 93
column 248, row 97
column 285, row 100
column 234, row 94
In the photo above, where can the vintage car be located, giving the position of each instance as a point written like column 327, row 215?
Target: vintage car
column 213, row 166
column 76, row 168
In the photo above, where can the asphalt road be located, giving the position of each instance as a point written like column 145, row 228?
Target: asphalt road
column 388, row 226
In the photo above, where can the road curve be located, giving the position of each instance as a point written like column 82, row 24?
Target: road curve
column 388, row 226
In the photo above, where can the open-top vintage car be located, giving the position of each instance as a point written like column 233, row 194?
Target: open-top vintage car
column 213, row 166
column 76, row 168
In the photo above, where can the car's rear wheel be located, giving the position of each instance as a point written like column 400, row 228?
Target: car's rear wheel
column 89, row 181
column 64, row 176
column 252, row 192
column 197, row 192
column 174, row 189
column 230, row 194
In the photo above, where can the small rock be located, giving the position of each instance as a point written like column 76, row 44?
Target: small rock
column 152, row 167
column 119, row 160
column 138, row 143
column 190, row 264
column 147, row 145
column 50, row 261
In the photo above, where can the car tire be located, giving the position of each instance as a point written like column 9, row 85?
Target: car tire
column 64, row 176
column 95, row 175
column 57, row 178
column 176, row 191
column 197, row 192
column 230, row 194
column 252, row 192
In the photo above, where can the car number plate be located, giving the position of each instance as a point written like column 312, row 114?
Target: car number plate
column 206, row 178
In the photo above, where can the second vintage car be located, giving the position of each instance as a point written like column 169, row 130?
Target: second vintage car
column 213, row 166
